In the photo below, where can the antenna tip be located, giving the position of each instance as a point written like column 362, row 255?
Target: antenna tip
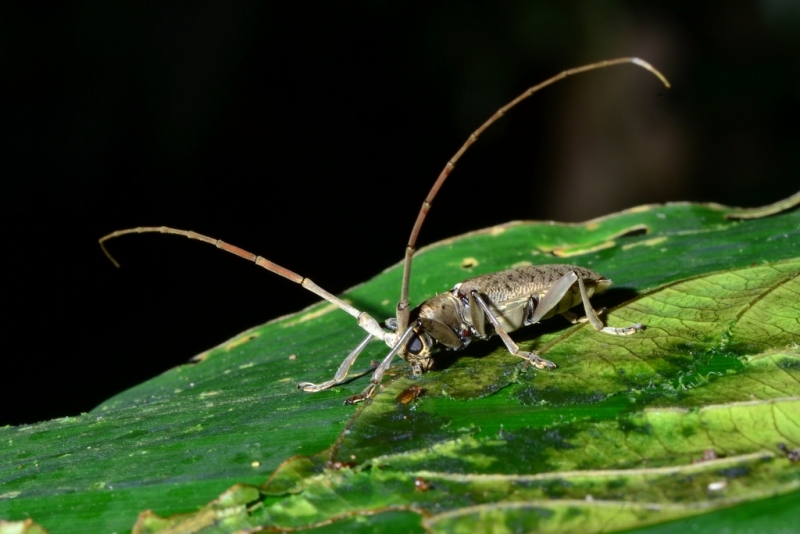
column 108, row 254
column 645, row 65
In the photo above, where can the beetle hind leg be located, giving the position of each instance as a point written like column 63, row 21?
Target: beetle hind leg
column 573, row 318
column 597, row 324
column 553, row 297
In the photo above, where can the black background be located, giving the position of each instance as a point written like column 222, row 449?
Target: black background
column 310, row 135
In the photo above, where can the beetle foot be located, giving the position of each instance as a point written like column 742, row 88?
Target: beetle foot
column 354, row 399
column 623, row 331
column 537, row 361
column 311, row 387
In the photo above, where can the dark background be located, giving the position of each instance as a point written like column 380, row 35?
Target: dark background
column 311, row 135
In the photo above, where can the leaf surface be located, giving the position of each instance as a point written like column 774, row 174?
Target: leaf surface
column 681, row 419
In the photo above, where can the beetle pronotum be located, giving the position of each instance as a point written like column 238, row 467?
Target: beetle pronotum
column 494, row 303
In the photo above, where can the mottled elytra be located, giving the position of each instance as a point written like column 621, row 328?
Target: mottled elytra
column 491, row 304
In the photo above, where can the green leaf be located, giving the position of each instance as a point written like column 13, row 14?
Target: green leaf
column 20, row 527
column 682, row 419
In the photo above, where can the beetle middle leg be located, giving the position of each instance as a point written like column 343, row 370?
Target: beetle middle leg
column 512, row 347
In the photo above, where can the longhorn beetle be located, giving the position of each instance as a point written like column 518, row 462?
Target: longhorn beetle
column 494, row 303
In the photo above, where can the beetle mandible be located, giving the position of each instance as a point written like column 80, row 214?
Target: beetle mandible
column 491, row 304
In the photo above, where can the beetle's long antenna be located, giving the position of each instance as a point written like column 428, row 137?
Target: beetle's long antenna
column 403, row 310
column 364, row 320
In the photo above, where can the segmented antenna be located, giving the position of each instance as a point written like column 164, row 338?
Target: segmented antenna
column 364, row 320
column 403, row 310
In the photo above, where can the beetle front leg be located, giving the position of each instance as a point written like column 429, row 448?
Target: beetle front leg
column 512, row 347
column 341, row 373
column 377, row 376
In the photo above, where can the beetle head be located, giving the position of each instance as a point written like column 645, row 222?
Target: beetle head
column 417, row 349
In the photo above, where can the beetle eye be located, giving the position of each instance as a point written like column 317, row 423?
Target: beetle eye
column 414, row 345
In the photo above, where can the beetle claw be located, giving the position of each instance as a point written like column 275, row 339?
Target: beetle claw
column 364, row 395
